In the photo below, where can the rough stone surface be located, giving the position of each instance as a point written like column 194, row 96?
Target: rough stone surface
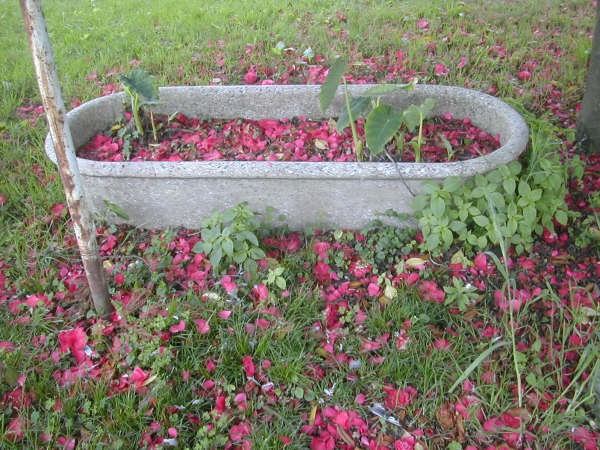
column 343, row 194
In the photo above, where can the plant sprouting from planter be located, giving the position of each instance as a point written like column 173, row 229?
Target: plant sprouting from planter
column 414, row 116
column 382, row 121
column 230, row 238
column 141, row 88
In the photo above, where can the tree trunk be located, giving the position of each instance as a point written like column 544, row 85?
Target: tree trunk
column 588, row 123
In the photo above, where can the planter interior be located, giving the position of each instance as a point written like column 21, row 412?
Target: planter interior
column 341, row 194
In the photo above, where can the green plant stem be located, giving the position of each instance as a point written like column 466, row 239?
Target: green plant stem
column 135, row 110
column 154, row 131
column 355, row 138
column 137, row 118
column 419, row 140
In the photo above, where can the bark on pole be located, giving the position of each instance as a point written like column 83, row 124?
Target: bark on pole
column 83, row 224
column 588, row 122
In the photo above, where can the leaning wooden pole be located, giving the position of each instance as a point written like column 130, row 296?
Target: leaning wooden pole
column 83, row 224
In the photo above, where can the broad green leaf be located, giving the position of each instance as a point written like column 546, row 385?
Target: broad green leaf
column 332, row 81
column 457, row 226
column 482, row 241
column 427, row 106
column 256, row 253
column 535, row 195
column 242, row 246
column 511, row 226
column 524, row 188
column 280, row 283
column 442, row 222
column 433, row 241
column 229, row 215
column 561, row 217
column 474, row 211
column 535, row 382
column 202, row 247
column 452, row 184
column 215, row 258
column 515, row 168
column 525, row 230
column 536, row 346
column 455, row 445
column 211, row 234
column 438, row 206
column 529, row 214
column 520, row 358
column 141, row 83
column 478, row 192
column 447, row 237
column 419, row 203
column 239, row 257
column 250, row 237
column 382, row 89
column 382, row 124
column 429, row 187
column 412, row 117
column 250, row 266
column 509, row 185
column 227, row 246
column 497, row 201
column 495, row 177
column 482, row 221
column 471, row 238
column 480, row 180
column 358, row 105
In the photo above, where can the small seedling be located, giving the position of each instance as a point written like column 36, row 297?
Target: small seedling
column 141, row 88
column 230, row 238
column 414, row 116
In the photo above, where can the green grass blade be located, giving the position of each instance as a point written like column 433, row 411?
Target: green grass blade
column 474, row 364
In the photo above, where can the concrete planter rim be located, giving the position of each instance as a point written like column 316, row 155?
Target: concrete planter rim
column 512, row 146
column 342, row 194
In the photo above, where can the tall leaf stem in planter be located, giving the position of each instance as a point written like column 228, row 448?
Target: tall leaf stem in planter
column 141, row 88
column 357, row 142
column 382, row 121
column 83, row 225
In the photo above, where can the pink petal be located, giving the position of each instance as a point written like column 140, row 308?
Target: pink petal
column 224, row 314
column 177, row 328
column 202, row 326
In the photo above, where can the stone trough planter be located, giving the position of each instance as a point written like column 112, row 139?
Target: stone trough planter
column 342, row 194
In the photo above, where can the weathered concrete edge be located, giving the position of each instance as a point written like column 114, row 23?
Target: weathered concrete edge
column 226, row 103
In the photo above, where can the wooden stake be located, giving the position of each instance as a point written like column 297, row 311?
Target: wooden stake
column 83, row 224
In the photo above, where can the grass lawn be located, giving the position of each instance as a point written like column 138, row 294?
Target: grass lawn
column 474, row 336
